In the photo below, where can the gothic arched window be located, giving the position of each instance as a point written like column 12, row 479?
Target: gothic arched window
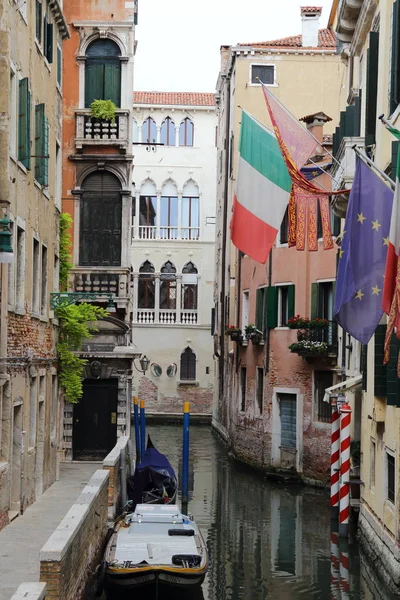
column 169, row 211
column 186, row 132
column 146, row 292
column 103, row 72
column 189, row 287
column 168, row 286
column 149, row 131
column 168, row 136
column 190, row 211
column 188, row 365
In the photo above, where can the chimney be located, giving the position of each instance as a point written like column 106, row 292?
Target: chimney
column 310, row 22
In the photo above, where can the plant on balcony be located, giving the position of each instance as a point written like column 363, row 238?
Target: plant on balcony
column 104, row 110
column 309, row 347
column 77, row 323
column 298, row 322
column 64, row 251
column 253, row 334
column 319, row 323
column 235, row 333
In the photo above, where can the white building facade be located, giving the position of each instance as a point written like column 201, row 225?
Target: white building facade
column 173, row 239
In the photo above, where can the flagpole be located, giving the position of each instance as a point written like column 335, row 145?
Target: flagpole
column 373, row 166
column 308, row 131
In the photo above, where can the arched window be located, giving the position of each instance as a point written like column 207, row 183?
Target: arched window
column 149, row 131
column 135, row 131
column 186, row 132
column 189, row 287
column 169, row 211
column 168, row 132
column 147, row 210
column 146, row 292
column 103, row 72
column 100, row 221
column 168, row 286
column 190, row 212
column 188, row 365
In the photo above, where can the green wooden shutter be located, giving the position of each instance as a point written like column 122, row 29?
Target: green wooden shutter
column 259, row 308
column 94, row 83
column 392, row 380
column 39, row 130
column 39, row 21
column 291, row 301
column 394, row 67
column 112, row 83
column 272, row 307
column 314, row 300
column 379, row 367
column 44, row 34
column 372, row 88
column 46, row 152
column 49, row 43
column 364, row 365
column 395, row 154
column 59, row 66
column 335, row 224
column 24, row 123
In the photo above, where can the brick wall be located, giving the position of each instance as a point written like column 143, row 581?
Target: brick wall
column 112, row 464
column 25, row 332
column 200, row 398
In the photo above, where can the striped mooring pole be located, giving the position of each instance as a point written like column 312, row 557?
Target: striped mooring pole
column 335, row 458
column 142, row 430
column 137, row 427
column 185, row 456
column 335, row 563
column 344, row 571
column 344, row 488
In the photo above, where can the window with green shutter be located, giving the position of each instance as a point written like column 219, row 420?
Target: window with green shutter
column 24, row 123
column 41, row 145
column 291, row 302
column 48, row 49
column 39, row 21
column 372, row 88
column 103, row 72
column 272, row 307
column 261, row 309
column 395, row 58
column 393, row 166
column 379, row 367
column 392, row 379
column 59, row 66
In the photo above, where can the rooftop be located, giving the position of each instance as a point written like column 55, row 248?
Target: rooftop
column 326, row 39
column 311, row 8
column 174, row 98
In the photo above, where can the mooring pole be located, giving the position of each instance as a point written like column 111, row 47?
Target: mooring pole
column 335, row 562
column 142, row 430
column 344, row 490
column 335, row 458
column 137, row 427
column 345, row 586
column 185, row 456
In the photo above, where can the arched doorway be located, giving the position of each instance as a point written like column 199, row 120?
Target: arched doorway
column 100, row 221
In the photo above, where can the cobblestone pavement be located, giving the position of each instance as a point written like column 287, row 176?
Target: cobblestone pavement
column 22, row 540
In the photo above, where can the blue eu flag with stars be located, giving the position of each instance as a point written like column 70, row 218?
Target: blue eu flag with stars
column 362, row 256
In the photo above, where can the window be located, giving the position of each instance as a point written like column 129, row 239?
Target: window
column 24, row 123
column 283, row 305
column 284, row 230
column 322, row 380
column 41, row 146
column 20, row 269
column 13, row 114
column 43, row 304
column 168, row 134
column 33, row 397
column 35, row 277
column 39, row 21
column 149, row 131
column 146, row 296
column 260, row 389
column 243, row 383
column 334, row 219
column 59, row 66
column 394, row 58
column 147, row 214
column 190, row 212
column 56, row 275
column 371, row 90
column 48, row 39
column 172, row 369
column 103, row 72
column 261, row 309
column 58, row 181
column 264, row 73
column 169, row 212
column 245, row 308
column 186, row 132
column 188, row 365
column 189, row 287
column 156, row 370
column 372, row 464
column 390, row 463
column 322, row 297
column 54, row 406
column 168, row 286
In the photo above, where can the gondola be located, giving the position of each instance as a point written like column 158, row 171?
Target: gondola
column 154, row 480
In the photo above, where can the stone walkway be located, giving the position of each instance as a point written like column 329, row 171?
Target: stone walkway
column 22, row 540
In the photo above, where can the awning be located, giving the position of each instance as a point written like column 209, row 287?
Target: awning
column 344, row 385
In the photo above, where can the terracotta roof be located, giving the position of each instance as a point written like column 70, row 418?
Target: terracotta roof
column 326, row 39
column 311, row 8
column 174, row 98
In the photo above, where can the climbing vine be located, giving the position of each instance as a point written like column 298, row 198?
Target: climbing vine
column 77, row 324
column 65, row 245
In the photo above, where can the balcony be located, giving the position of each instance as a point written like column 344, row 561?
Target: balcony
column 113, row 280
column 94, row 132
column 318, row 343
column 155, row 232
column 348, row 13
column 149, row 316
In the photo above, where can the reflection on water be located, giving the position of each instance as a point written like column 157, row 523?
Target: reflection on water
column 265, row 541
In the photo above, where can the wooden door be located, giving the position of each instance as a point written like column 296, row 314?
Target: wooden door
column 95, row 420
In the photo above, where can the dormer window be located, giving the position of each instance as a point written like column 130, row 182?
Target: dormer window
column 103, row 72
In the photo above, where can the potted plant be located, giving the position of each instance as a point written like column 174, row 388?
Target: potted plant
column 235, row 333
column 318, row 323
column 253, row 334
column 103, row 110
column 309, row 347
column 298, row 322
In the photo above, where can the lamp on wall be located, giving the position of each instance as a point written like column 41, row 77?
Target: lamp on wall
column 6, row 251
column 144, row 364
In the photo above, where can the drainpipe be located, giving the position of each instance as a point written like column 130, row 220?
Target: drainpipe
column 268, row 336
column 238, row 303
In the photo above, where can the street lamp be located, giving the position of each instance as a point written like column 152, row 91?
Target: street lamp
column 144, row 363
column 6, row 251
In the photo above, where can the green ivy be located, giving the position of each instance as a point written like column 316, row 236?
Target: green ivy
column 65, row 245
column 104, row 110
column 77, row 324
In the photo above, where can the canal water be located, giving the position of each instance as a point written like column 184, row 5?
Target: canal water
column 265, row 540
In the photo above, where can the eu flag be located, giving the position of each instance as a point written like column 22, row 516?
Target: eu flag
column 362, row 256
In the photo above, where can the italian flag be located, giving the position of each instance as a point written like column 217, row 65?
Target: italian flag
column 389, row 286
column 262, row 190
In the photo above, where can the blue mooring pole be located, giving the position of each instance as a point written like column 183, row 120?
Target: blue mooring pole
column 142, row 430
column 185, row 456
column 137, row 427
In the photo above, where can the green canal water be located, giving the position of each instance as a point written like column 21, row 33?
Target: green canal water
column 266, row 541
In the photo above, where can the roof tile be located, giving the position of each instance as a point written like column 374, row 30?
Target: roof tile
column 174, row 98
column 326, row 39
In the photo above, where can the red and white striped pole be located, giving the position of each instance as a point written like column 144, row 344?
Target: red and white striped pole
column 335, row 458
column 344, row 488
column 335, row 565
column 344, row 571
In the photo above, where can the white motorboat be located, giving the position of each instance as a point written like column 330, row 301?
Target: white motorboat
column 155, row 544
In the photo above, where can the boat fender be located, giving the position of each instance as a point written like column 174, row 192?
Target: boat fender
column 189, row 560
column 101, row 575
column 187, row 532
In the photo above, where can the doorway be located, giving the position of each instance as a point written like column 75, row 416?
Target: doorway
column 95, row 420
column 17, row 459
column 288, row 412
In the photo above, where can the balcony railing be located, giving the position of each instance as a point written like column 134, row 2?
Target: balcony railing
column 317, row 342
column 153, row 232
column 148, row 316
column 111, row 281
column 96, row 132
